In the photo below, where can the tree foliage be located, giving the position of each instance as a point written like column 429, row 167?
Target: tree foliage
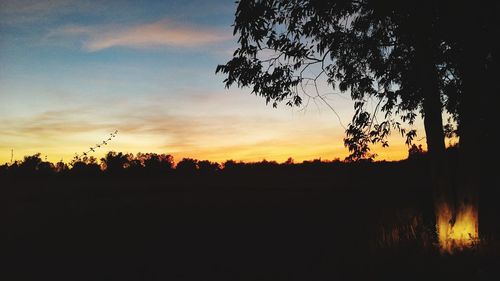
column 393, row 52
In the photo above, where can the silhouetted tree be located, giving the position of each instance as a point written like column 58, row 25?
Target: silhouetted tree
column 207, row 167
column 31, row 163
column 85, row 166
column 400, row 53
column 46, row 168
column 415, row 152
column 231, row 166
column 289, row 161
column 157, row 162
column 116, row 162
column 61, row 167
column 4, row 169
column 187, row 166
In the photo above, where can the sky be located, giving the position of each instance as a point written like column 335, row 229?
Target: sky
column 72, row 72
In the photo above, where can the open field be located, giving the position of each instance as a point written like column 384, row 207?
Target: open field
column 346, row 221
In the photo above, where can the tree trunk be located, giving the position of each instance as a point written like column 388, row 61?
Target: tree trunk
column 426, row 66
column 490, row 189
column 444, row 195
column 473, row 119
column 470, row 150
column 456, row 205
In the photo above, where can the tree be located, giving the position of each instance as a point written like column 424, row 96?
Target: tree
column 156, row 163
column 85, row 166
column 116, row 162
column 31, row 163
column 355, row 44
column 187, row 166
column 207, row 167
column 416, row 152
column 409, row 57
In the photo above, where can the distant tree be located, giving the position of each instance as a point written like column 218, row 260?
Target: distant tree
column 157, row 162
column 46, row 168
column 135, row 165
column 265, row 164
column 34, row 164
column 187, row 165
column 229, row 164
column 85, row 166
column 116, row 162
column 289, row 161
column 415, row 152
column 61, row 167
column 4, row 169
column 207, row 167
column 31, row 163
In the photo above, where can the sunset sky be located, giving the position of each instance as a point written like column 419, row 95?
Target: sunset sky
column 71, row 72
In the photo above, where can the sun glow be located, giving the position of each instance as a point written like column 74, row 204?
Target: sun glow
column 461, row 234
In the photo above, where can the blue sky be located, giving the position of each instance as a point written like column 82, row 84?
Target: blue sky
column 71, row 72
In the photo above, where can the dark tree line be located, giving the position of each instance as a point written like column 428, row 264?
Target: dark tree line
column 151, row 164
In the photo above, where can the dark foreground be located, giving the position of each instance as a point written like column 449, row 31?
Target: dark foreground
column 354, row 223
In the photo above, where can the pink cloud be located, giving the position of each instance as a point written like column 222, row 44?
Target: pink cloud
column 163, row 33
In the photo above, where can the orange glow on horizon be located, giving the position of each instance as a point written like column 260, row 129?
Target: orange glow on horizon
column 245, row 153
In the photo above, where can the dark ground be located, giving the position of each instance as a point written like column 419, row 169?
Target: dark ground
column 285, row 225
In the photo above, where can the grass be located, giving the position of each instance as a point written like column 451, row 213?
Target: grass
column 340, row 224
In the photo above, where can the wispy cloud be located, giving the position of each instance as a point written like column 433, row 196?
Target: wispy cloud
column 35, row 11
column 152, row 127
column 163, row 33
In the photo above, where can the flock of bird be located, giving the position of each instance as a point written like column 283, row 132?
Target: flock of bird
column 94, row 148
